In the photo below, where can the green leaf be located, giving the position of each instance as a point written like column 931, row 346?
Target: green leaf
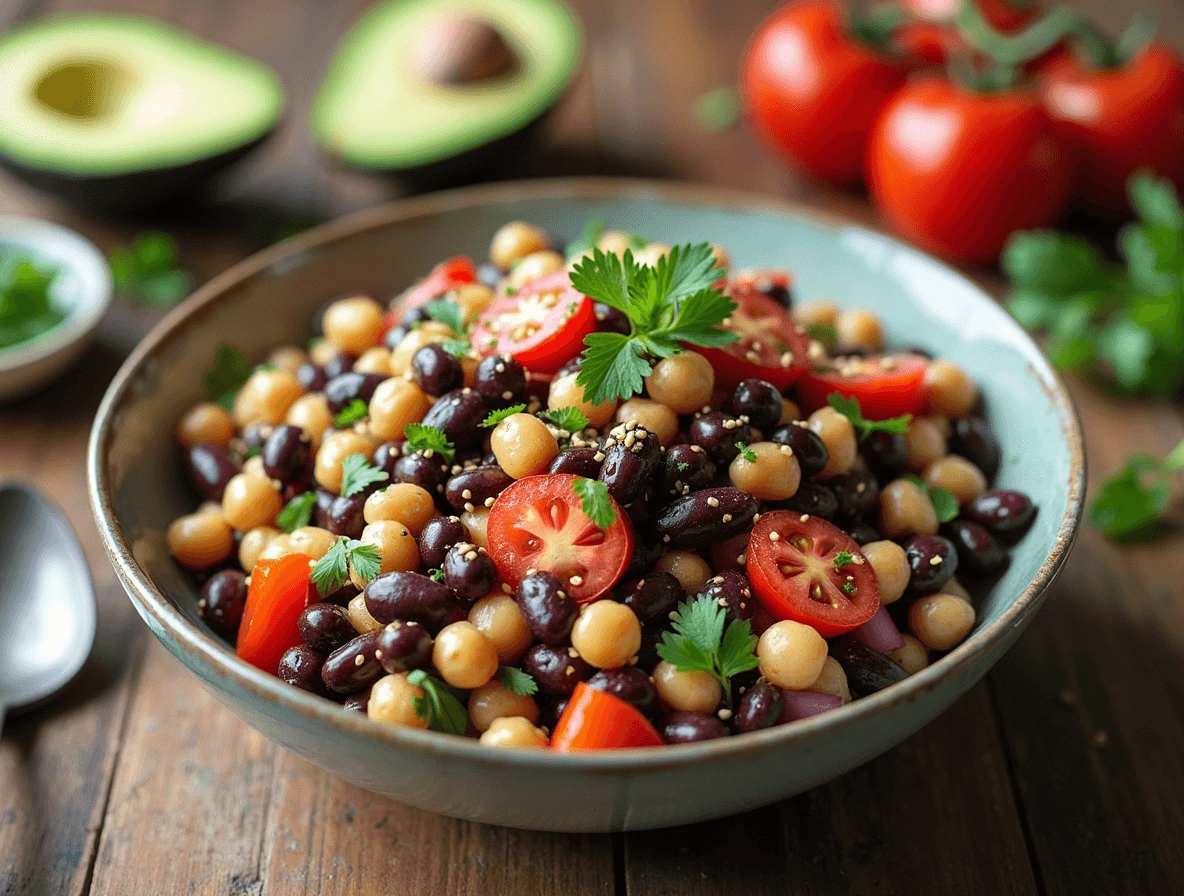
column 842, row 558
column 167, row 288
column 745, row 452
column 567, row 419
column 595, row 502
column 123, row 269
column 297, row 513
column 496, row 417
column 357, row 473
column 429, row 440
column 350, row 414
column 154, row 253
column 849, row 408
column 458, row 348
column 701, row 620
column 604, row 277
column 827, row 334
column 436, row 575
column 517, row 682
column 365, row 559
column 613, row 368
column 1155, row 201
column 438, row 706
column 718, row 110
column 1033, row 310
column 699, row 317
column 1055, row 264
column 737, row 650
column 684, row 654
column 590, row 235
column 944, row 504
column 1132, row 500
column 448, row 313
column 332, row 570
column 230, row 373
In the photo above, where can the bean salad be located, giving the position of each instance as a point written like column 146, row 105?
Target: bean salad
column 594, row 496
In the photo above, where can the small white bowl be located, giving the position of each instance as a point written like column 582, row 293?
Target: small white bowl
column 82, row 289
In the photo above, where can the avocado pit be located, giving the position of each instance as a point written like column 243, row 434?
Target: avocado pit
column 82, row 88
column 463, row 49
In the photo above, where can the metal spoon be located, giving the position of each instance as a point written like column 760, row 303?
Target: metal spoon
column 47, row 601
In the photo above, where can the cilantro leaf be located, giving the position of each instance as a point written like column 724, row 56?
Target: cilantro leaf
column 605, row 277
column 745, row 452
column 718, row 110
column 458, row 348
column 350, row 414
column 496, row 417
column 1155, row 201
column 700, row 642
column 148, row 271
column 438, row 706
column 827, row 334
column 365, row 559
column 357, row 473
column 230, row 373
column 848, row 588
column 1131, row 501
column 595, row 501
column 701, row 621
column 332, row 570
column 448, row 313
column 517, row 682
column 297, row 513
column 613, row 367
column 429, row 441
column 842, row 558
column 849, row 408
column 568, row 419
column 945, row 505
column 737, row 650
column 436, row 575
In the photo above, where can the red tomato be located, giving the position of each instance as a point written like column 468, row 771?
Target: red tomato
column 538, row 523
column 957, row 171
column 445, row 276
column 771, row 346
column 543, row 325
column 1001, row 15
column 812, row 91
column 795, row 576
column 885, row 385
column 594, row 720
column 275, row 600
column 1121, row 119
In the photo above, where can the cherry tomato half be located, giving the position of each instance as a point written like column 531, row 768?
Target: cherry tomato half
column 275, row 600
column 445, row 276
column 885, row 385
column 543, row 325
column 594, row 720
column 538, row 523
column 800, row 575
column 771, row 346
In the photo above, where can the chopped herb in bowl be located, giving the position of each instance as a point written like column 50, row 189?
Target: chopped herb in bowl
column 26, row 307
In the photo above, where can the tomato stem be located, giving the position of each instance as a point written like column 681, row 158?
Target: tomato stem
column 1013, row 50
column 1138, row 35
column 874, row 28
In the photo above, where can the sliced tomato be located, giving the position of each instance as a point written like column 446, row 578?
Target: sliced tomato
column 275, row 600
column 543, row 325
column 594, row 720
column 885, row 385
column 538, row 523
column 771, row 346
column 795, row 575
column 445, row 276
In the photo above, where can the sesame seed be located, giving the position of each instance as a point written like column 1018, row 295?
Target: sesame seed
column 774, row 536
column 561, row 594
column 725, row 714
column 786, row 359
column 572, row 652
column 471, row 556
column 788, row 452
column 466, row 494
column 805, row 517
column 727, row 517
column 507, row 395
column 665, row 539
column 531, row 571
column 935, row 561
column 359, row 659
column 570, row 670
column 576, row 581
column 489, row 501
column 598, row 457
column 506, row 588
column 713, row 502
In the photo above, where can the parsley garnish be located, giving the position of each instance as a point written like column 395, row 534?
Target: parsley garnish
column 703, row 645
column 842, row 558
column 745, row 452
column 357, row 473
column 428, row 441
column 1132, row 500
column 683, row 466
column 458, row 348
column 590, row 235
column 517, row 682
column 448, row 313
column 669, row 304
column 27, row 308
column 945, row 505
column 438, row 706
column 148, row 272
column 332, row 570
column 824, row 333
column 436, row 575
column 231, row 371
column 595, row 502
column 496, row 417
column 567, row 419
column 849, row 408
column 848, row 588
column 350, row 414
column 297, row 513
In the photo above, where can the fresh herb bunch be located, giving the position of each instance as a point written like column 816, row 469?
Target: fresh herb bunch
column 849, row 408
column 332, row 570
column 1133, row 500
column 567, row 419
column 438, row 706
column 448, row 313
column 26, row 310
column 1120, row 324
column 673, row 303
column 700, row 643
column 148, row 271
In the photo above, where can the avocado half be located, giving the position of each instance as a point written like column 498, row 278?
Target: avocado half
column 122, row 113
column 440, row 91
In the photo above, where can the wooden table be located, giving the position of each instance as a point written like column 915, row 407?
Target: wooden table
column 1062, row 773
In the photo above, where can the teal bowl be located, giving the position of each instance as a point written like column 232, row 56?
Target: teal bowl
column 270, row 298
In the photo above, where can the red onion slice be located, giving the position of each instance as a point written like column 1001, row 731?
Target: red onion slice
column 879, row 633
column 801, row 704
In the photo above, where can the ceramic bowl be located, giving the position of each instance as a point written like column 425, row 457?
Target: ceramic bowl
column 83, row 289
column 270, row 298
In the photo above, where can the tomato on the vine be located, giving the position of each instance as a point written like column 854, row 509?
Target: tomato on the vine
column 771, row 346
column 278, row 594
column 884, row 385
column 542, row 325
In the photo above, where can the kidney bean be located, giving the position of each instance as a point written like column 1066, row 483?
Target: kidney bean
column 653, row 598
column 645, row 555
column 501, row 380
column 469, row 571
column 287, row 454
column 691, row 727
column 341, row 597
column 933, row 561
column 353, row 666
column 311, row 376
column 386, row 455
column 978, row 551
column 342, row 362
column 570, row 366
column 547, row 608
column 631, row 458
column 631, row 685
column 223, row 599
column 867, row 671
column 429, row 473
column 807, row 447
column 705, row 517
column 577, row 462
column 410, row 597
column 403, row 646
column 813, row 498
column 759, row 401
column 862, row 533
column 610, row 319
column 346, row 516
column 886, row 454
column 345, row 388
column 647, row 656
column 685, row 469
column 1003, row 512
column 252, row 439
column 476, row 488
column 717, row 433
column 554, row 669
column 359, row 702
column 321, row 510
column 435, row 371
column 857, row 493
column 760, row 707
column 459, row 414
column 972, row 438
column 440, row 533
column 325, row 627
column 301, row 667
column 730, row 590
column 210, row 468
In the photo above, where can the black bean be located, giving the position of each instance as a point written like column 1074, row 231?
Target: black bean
column 759, row 401
column 287, row 454
column 436, row 371
column 933, row 561
column 978, row 551
column 812, row 498
column 807, row 446
column 488, row 273
column 459, row 415
column 385, row 457
column 301, row 667
column 867, row 671
column 251, row 439
column 971, row 438
column 429, row 473
column 344, row 673
column 501, row 380
column 629, row 684
column 1003, row 512
column 342, row 596
column 570, row 366
column 410, row 597
column 647, row 656
column 210, row 468
column 554, row 669
column 774, row 289
column 862, row 533
column 311, row 376
column 403, row 646
column 705, row 517
column 577, row 462
column 760, row 707
column 346, row 516
column 358, row 702
column 857, row 492
column 691, row 727
column 346, row 388
column 440, row 533
column 631, row 458
column 730, row 590
column 548, row 609
column 469, row 571
column 717, row 433
column 645, row 555
column 886, row 454
column 653, row 598
column 323, row 507
column 685, row 469
column 223, row 599
column 610, row 319
column 475, row 488
column 325, row 627
column 849, row 350
column 342, row 362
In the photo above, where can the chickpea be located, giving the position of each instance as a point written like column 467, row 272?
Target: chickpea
column 810, row 314
column 498, row 618
column 410, row 504
column 832, row 680
column 353, row 324
column 277, row 548
column 374, row 360
column 773, row 474
column 533, row 266
column 335, row 448
column 312, row 541
column 906, row 510
column 860, row 327
column 311, row 413
column 925, row 441
column 428, row 333
column 200, row 541
column 951, row 391
column 250, row 501
column 650, row 253
column 655, row 417
column 687, row 691
column 941, row 621
column 464, row 657
column 473, row 298
column 287, row 357
column 891, row 566
column 523, row 445
column 205, row 423
column 913, row 657
column 682, row 382
column 359, row 616
column 254, row 467
column 492, row 701
column 395, row 405
column 477, row 522
column 395, row 544
column 956, row 588
column 209, row 507
column 606, row 634
column 515, row 240
column 838, row 435
column 266, row 397
column 566, row 393
column 789, row 412
column 791, row 655
column 691, row 570
column 254, row 543
column 321, row 352
column 958, row 476
column 614, row 242
column 514, row 732
column 392, row 700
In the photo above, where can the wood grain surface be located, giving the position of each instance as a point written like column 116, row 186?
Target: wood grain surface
column 1060, row 774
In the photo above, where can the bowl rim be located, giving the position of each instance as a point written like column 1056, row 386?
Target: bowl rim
column 203, row 647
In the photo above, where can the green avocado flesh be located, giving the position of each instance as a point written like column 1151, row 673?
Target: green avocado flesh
column 375, row 110
column 104, row 95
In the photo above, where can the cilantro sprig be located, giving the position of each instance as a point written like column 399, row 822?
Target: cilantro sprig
column 357, row 473
column 945, row 505
column 438, row 706
column 448, row 313
column 672, row 303
column 842, row 558
column 745, row 452
column 496, row 417
column 595, row 501
column 1131, row 501
column 517, row 682
column 849, row 408
column 297, row 513
column 231, row 371
column 350, row 414
column 458, row 348
column 568, row 419
column 27, row 308
column 429, row 440
column 148, row 271
column 700, row 643
column 332, row 570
